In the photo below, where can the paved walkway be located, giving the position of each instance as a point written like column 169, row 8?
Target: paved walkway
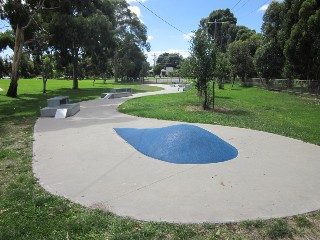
column 84, row 160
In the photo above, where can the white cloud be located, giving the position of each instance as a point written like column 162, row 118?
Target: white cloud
column 132, row 1
column 263, row 8
column 150, row 38
column 135, row 10
column 184, row 53
column 188, row 36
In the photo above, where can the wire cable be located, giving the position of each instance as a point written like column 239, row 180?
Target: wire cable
column 254, row 10
column 155, row 14
column 236, row 4
column 241, row 6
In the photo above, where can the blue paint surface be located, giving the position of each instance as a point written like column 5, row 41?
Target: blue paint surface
column 181, row 144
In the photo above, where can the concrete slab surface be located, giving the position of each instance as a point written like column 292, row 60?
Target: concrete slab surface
column 83, row 159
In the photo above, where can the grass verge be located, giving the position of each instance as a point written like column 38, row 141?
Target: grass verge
column 29, row 212
column 253, row 108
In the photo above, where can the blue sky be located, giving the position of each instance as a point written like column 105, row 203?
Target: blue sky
column 186, row 16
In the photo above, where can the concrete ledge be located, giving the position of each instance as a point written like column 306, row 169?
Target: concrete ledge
column 116, row 95
column 122, row 94
column 120, row 90
column 56, row 101
column 72, row 109
column 107, row 95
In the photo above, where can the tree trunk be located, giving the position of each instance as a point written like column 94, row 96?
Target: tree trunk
column 19, row 41
column 233, row 79
column 75, row 68
column 213, row 95
column 115, row 64
column 205, row 104
column 44, row 80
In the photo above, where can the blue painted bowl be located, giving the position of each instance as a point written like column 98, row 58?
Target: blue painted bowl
column 180, row 144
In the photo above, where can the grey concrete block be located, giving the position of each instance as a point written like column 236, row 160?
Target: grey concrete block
column 72, row 109
column 116, row 95
column 107, row 95
column 56, row 101
column 120, row 90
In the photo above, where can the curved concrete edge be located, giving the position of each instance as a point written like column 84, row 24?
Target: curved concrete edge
column 84, row 160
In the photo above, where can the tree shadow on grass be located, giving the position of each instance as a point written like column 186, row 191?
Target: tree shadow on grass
column 27, row 105
column 220, row 97
column 240, row 113
column 231, row 112
column 77, row 95
column 219, row 110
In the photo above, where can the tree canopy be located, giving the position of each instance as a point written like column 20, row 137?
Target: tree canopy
column 220, row 25
column 287, row 47
column 130, row 40
column 85, row 37
column 25, row 19
column 101, row 37
column 168, row 60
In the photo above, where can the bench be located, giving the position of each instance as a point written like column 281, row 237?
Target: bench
column 60, row 102
column 117, row 93
column 181, row 88
column 187, row 87
column 121, row 90
column 57, row 101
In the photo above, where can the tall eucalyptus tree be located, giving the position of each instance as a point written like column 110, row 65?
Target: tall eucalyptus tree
column 23, row 16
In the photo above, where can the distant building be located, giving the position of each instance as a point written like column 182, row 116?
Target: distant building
column 169, row 70
column 166, row 72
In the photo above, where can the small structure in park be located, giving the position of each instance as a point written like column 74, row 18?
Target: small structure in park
column 61, row 106
column 117, row 93
column 180, row 87
column 166, row 72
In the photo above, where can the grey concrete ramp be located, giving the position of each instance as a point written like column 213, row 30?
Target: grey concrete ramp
column 83, row 159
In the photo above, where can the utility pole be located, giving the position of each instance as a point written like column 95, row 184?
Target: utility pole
column 154, row 64
column 215, row 29
column 215, row 43
column 154, row 59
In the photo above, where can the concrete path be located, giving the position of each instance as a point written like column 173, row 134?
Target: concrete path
column 83, row 159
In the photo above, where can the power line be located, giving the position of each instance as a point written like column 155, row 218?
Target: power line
column 236, row 4
column 242, row 6
column 254, row 10
column 160, row 17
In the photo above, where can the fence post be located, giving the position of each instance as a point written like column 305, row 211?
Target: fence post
column 213, row 95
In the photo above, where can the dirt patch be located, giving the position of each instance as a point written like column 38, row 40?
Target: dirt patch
column 217, row 109
column 194, row 109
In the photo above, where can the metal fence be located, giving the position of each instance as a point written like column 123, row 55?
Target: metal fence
column 165, row 80
column 296, row 86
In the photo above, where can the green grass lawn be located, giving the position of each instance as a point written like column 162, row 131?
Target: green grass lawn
column 29, row 212
column 31, row 99
column 280, row 113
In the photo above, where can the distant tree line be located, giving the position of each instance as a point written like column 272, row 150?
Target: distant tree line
column 167, row 60
column 74, row 39
column 288, row 47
